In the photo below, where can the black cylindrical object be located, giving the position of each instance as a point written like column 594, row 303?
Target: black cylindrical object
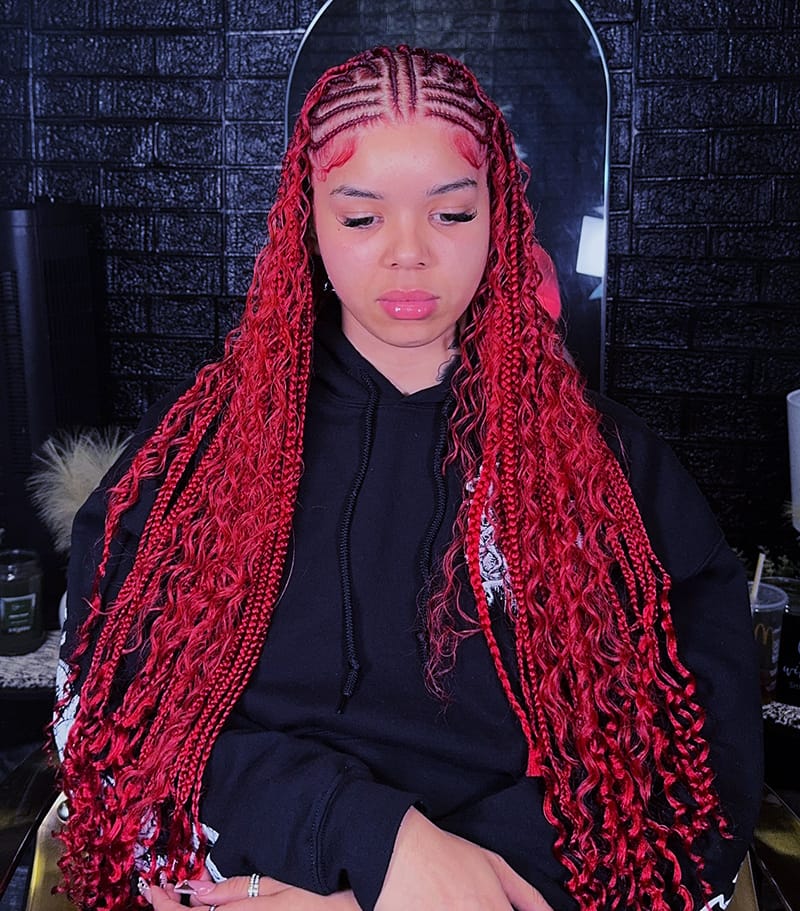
column 48, row 357
column 787, row 688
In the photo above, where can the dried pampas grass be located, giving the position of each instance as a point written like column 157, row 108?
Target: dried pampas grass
column 71, row 465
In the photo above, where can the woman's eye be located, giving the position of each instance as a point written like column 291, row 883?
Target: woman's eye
column 456, row 217
column 363, row 221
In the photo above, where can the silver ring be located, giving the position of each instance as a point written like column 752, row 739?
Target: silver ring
column 212, row 908
column 252, row 886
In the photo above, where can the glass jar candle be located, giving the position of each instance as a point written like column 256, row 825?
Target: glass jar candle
column 21, row 628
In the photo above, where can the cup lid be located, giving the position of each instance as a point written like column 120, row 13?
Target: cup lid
column 792, row 588
column 769, row 597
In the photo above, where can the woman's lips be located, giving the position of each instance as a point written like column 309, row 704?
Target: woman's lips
column 413, row 304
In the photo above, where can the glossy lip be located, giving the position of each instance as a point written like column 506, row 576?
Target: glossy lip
column 411, row 294
column 410, row 305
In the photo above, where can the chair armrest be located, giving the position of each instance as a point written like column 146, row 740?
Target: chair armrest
column 776, row 848
column 26, row 794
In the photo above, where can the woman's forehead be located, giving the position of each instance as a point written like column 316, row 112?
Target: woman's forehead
column 427, row 143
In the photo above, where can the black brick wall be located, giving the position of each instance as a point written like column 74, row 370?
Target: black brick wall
column 168, row 116
column 703, row 310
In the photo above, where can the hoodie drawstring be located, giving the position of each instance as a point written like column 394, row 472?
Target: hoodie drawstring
column 352, row 665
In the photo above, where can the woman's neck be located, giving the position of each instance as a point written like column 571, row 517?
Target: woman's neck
column 409, row 368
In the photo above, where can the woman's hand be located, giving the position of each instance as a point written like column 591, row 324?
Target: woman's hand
column 429, row 869
column 432, row 869
column 231, row 894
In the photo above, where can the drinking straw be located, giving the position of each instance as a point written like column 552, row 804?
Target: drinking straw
column 757, row 577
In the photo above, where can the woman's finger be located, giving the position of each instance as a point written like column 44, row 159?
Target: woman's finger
column 160, row 899
column 294, row 899
column 522, row 895
column 230, row 890
column 233, row 895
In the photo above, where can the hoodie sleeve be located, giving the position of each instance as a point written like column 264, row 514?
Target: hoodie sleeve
column 274, row 804
column 711, row 614
column 292, row 808
column 86, row 546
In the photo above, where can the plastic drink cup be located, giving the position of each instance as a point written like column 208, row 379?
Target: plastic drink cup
column 767, row 611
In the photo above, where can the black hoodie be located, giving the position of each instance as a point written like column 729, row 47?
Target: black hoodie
column 336, row 736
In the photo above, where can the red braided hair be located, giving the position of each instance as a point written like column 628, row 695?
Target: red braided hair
column 614, row 730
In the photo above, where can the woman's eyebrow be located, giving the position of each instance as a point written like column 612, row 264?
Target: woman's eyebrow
column 354, row 192
column 463, row 183
column 351, row 192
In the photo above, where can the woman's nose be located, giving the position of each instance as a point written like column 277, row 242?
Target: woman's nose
column 407, row 246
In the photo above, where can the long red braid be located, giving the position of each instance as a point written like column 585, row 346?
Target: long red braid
column 614, row 730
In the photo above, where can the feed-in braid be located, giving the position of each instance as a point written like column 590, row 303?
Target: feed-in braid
column 606, row 707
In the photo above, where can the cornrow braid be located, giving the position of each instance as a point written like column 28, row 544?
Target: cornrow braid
column 396, row 85
column 615, row 732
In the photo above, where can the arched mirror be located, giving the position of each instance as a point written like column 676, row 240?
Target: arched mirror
column 541, row 61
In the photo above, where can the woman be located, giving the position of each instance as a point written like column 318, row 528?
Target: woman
column 384, row 611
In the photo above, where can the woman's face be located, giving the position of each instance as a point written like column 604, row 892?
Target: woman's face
column 403, row 231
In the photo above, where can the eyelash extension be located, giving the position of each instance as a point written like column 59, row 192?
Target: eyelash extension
column 362, row 222
column 447, row 217
column 459, row 217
